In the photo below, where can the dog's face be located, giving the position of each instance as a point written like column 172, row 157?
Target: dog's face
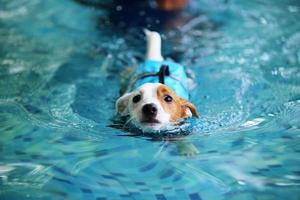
column 153, row 106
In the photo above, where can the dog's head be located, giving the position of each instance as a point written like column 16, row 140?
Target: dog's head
column 153, row 106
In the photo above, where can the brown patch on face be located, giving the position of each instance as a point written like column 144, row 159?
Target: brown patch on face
column 177, row 107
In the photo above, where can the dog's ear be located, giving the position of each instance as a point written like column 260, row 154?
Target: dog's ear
column 122, row 104
column 191, row 109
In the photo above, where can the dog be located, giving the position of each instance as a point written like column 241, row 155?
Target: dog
column 157, row 96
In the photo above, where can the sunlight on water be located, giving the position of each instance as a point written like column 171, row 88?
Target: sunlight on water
column 60, row 69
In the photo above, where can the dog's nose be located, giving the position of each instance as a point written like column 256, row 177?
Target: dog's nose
column 149, row 110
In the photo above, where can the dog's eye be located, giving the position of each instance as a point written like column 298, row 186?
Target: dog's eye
column 136, row 98
column 168, row 99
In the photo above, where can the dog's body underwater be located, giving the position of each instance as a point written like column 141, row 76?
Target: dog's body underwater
column 158, row 94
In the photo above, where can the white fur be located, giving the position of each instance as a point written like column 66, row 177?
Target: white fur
column 148, row 92
column 153, row 51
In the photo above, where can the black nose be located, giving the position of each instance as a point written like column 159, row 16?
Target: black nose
column 149, row 110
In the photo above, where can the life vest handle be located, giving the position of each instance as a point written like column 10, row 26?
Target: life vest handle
column 163, row 71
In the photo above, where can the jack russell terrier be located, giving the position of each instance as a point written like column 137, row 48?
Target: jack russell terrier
column 158, row 94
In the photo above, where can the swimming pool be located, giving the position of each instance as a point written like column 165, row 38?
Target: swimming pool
column 59, row 78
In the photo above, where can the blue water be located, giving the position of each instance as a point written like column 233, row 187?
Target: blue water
column 61, row 63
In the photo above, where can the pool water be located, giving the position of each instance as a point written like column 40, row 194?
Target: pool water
column 61, row 63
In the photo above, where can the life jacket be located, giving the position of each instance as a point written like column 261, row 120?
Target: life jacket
column 167, row 72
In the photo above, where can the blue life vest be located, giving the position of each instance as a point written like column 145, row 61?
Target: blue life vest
column 176, row 79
